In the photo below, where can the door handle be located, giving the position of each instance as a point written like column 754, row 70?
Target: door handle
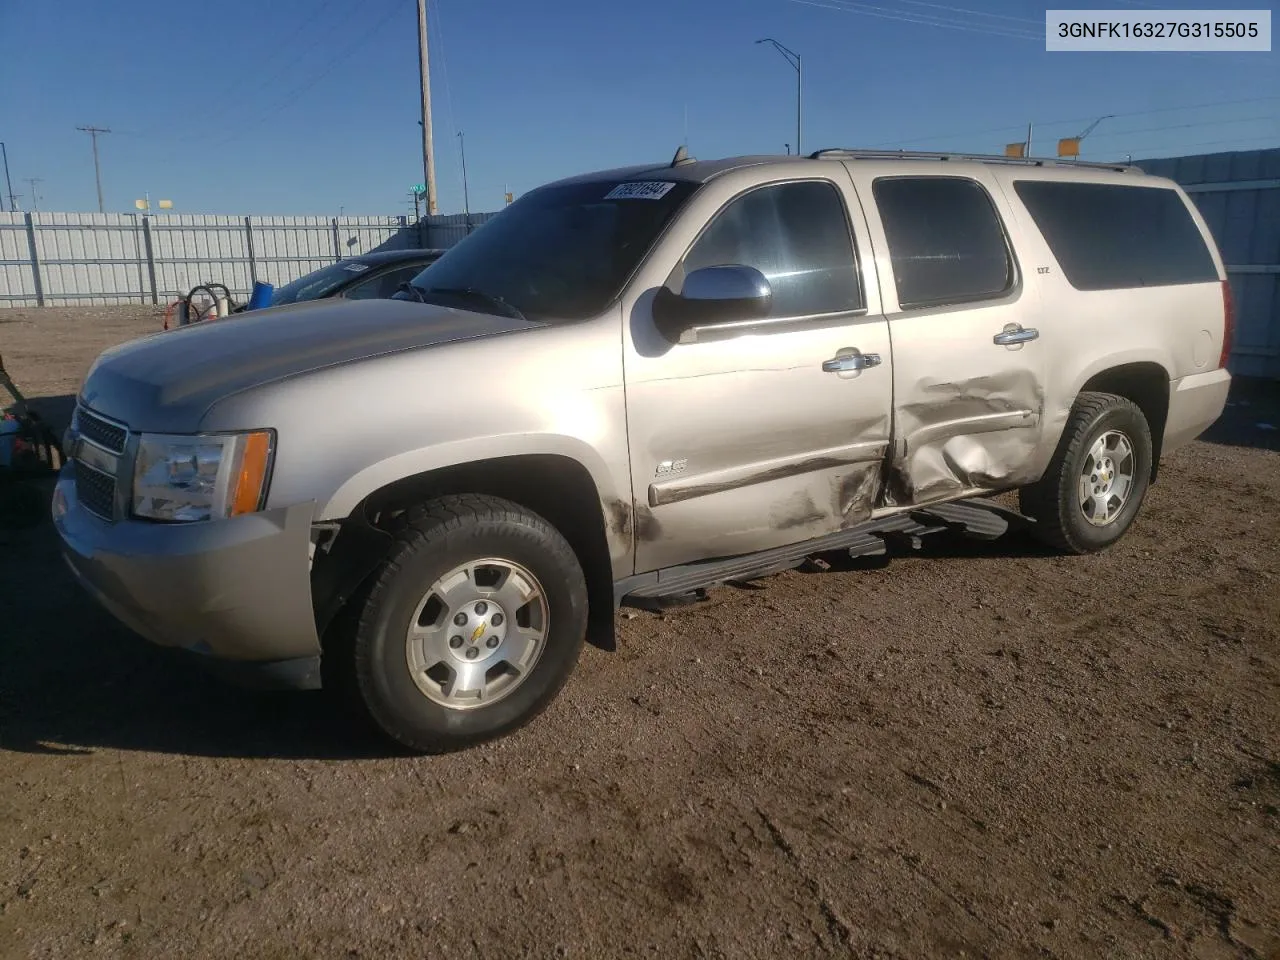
column 1015, row 334
column 851, row 363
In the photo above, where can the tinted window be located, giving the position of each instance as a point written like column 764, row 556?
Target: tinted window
column 797, row 235
column 385, row 284
column 559, row 252
column 1109, row 236
column 946, row 241
column 318, row 283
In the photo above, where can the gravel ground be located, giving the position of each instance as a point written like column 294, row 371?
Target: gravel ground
column 981, row 750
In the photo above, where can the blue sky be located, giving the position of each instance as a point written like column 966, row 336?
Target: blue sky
column 311, row 106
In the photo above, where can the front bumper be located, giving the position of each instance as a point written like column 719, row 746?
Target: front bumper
column 233, row 590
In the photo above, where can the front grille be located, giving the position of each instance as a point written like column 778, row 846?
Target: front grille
column 95, row 490
column 109, row 436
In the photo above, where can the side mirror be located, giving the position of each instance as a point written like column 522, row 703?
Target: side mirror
column 713, row 297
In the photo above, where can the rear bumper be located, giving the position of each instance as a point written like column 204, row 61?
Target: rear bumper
column 1195, row 402
column 227, row 590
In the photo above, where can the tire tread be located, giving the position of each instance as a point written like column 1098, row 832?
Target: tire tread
column 422, row 528
column 1046, row 499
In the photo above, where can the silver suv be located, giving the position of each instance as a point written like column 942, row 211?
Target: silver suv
column 627, row 387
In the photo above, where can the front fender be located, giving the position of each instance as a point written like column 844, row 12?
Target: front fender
column 460, row 452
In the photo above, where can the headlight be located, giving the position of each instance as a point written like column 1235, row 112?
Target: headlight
column 188, row 478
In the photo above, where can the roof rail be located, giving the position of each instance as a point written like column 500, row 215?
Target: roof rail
column 855, row 154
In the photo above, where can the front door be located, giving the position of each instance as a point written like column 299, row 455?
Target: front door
column 768, row 437
column 968, row 361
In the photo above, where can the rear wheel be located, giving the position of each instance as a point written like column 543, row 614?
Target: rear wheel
column 472, row 625
column 1098, row 477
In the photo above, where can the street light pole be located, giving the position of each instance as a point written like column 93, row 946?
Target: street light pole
column 793, row 58
column 35, row 200
column 466, row 200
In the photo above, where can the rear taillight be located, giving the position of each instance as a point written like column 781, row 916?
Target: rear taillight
column 1228, row 323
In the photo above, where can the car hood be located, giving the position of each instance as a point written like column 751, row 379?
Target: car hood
column 168, row 381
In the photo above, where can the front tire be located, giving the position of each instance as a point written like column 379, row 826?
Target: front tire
column 472, row 625
column 1097, row 479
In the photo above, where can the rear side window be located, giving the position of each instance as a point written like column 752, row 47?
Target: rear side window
column 946, row 241
column 1109, row 236
column 797, row 235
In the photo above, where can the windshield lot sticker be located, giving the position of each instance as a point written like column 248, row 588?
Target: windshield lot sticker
column 640, row 190
column 356, row 267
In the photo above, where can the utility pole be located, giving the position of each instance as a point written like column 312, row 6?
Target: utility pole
column 97, row 173
column 35, row 199
column 424, row 68
column 7, row 182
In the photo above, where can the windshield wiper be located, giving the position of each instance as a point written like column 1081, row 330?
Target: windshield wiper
column 471, row 293
column 409, row 288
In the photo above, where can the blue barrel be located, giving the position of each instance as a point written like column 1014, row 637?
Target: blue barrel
column 261, row 295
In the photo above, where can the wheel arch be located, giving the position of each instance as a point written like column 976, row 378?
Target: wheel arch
column 1145, row 383
column 558, row 488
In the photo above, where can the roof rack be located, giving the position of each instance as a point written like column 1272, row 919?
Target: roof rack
column 855, row 154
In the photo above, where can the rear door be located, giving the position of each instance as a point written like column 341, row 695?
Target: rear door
column 748, row 442
column 968, row 356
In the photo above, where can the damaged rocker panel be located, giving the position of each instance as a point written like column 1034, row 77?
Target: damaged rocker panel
column 745, row 475
column 985, row 423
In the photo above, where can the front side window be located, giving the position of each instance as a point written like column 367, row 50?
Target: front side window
column 561, row 252
column 319, row 283
column 384, row 284
column 946, row 241
column 797, row 235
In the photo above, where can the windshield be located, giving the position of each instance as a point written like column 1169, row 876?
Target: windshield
column 559, row 252
column 318, row 283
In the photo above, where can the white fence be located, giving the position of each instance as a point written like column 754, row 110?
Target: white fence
column 68, row 259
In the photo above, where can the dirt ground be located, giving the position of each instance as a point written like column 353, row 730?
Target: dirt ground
column 983, row 750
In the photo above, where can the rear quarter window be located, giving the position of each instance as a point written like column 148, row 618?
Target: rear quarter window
column 1109, row 236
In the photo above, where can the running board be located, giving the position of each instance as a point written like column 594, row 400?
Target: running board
column 975, row 518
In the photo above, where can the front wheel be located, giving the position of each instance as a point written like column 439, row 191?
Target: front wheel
column 472, row 625
column 1097, row 478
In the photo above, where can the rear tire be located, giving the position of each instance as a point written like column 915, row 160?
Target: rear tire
column 1097, row 479
column 471, row 626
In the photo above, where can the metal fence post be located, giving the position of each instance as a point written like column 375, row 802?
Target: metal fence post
column 35, row 260
column 137, row 259
column 337, row 252
column 151, row 258
column 253, row 264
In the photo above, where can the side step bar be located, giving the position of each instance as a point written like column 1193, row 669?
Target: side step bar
column 975, row 518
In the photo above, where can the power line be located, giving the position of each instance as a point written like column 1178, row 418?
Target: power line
column 1073, row 120
column 919, row 19
column 333, row 63
column 448, row 93
column 223, row 100
column 1183, row 147
column 976, row 13
column 1110, row 135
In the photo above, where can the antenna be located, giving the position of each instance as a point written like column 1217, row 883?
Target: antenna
column 682, row 157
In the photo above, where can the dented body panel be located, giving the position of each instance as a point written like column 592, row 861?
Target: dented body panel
column 746, row 443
